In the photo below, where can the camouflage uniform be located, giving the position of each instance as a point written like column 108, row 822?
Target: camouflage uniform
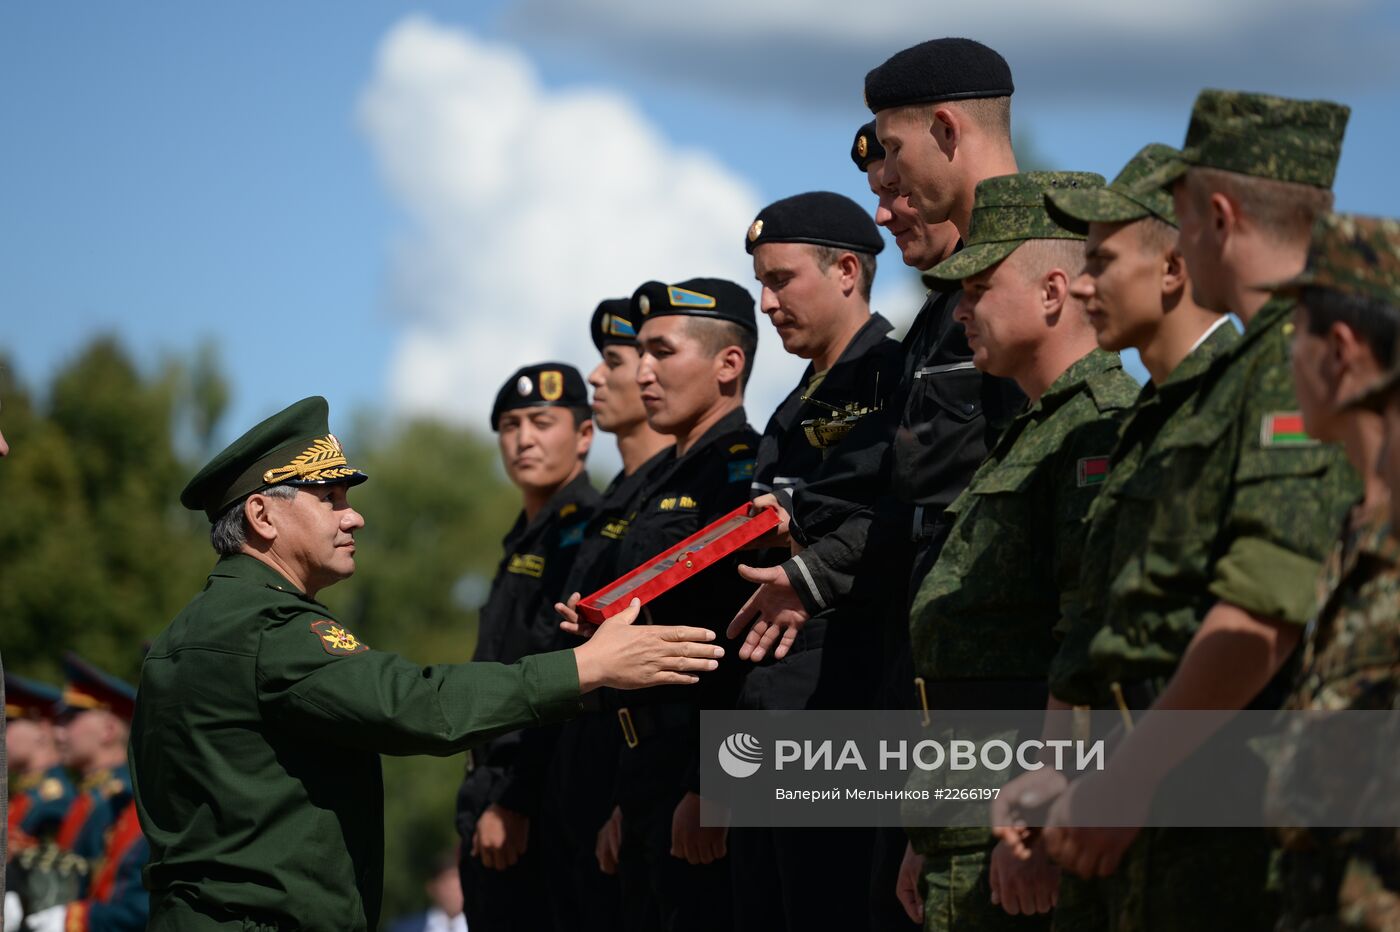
column 985, row 621
column 1351, row 650
column 1248, row 507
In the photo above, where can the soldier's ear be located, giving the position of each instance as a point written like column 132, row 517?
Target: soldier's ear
column 1174, row 277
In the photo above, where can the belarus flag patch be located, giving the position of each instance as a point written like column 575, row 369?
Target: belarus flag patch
column 1284, row 429
column 1093, row 470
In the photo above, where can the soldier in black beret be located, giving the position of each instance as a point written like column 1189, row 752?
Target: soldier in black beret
column 276, row 713
column 579, row 825
column 814, row 258
column 943, row 114
column 544, row 433
column 872, row 519
column 697, row 341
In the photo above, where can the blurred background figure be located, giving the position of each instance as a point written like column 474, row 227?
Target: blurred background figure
column 444, row 890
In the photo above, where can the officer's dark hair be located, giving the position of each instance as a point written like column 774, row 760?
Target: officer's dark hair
column 229, row 533
column 1375, row 322
column 827, row 256
column 715, row 335
column 1282, row 208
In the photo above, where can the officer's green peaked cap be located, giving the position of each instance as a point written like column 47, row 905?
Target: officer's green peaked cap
column 293, row 447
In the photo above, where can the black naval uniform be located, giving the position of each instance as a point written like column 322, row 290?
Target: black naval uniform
column 872, row 519
column 784, row 878
column 659, row 761
column 579, row 781
column 518, row 620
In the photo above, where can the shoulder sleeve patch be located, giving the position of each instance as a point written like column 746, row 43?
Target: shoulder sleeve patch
column 1283, row 429
column 336, row 639
column 572, row 536
column 1092, row 470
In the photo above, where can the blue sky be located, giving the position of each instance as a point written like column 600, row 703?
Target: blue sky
column 393, row 205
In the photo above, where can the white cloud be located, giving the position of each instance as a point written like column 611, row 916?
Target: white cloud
column 525, row 205
column 818, row 51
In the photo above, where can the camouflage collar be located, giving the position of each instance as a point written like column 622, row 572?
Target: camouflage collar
column 1077, row 376
column 1216, row 343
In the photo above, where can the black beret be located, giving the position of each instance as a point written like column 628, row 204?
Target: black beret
column 822, row 218
column 936, row 70
column 715, row 298
column 293, row 447
column 612, row 323
column 543, row 385
column 866, row 148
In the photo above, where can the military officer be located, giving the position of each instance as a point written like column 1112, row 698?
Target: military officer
column 581, row 851
column 1345, row 327
column 260, row 718
column 814, row 257
column 984, row 623
column 43, row 790
column 1232, row 534
column 1136, row 289
column 697, row 339
column 544, row 433
column 102, row 826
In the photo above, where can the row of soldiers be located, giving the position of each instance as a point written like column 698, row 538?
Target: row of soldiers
column 75, row 849
column 989, row 514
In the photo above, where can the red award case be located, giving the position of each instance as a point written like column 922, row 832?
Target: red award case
column 740, row 527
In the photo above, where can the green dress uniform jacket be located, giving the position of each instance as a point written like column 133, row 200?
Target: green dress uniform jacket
column 1240, row 507
column 255, row 752
column 1113, row 537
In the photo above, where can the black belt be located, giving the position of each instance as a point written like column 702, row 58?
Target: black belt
column 647, row 721
column 955, row 695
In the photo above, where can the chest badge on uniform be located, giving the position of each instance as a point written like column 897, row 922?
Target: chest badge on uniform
column 1093, row 470
column 335, row 639
column 1284, row 429
column 50, row 789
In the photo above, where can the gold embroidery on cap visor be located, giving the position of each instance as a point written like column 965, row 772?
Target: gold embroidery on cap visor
column 323, row 461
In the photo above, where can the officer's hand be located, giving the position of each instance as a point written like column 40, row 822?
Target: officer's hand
column 52, row 919
column 627, row 656
column 774, row 610
column 609, row 844
column 691, row 841
column 780, row 536
column 1093, row 852
column 1024, row 886
column 1022, row 801
column 906, row 887
column 572, row 623
column 501, row 837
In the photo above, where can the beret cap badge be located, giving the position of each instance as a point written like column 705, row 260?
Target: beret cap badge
column 644, row 304
column 862, row 146
column 524, row 386
column 755, row 230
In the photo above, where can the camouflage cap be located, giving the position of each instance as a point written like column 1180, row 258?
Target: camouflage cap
column 1122, row 200
column 1297, row 141
column 1353, row 255
column 1008, row 211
